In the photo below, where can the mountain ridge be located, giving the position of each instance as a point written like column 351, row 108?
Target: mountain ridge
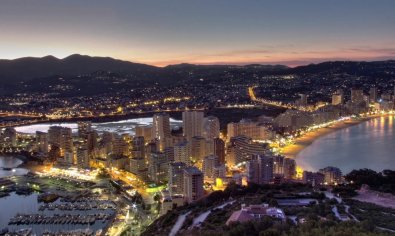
column 28, row 68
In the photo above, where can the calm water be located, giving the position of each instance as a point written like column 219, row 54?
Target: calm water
column 121, row 127
column 14, row 204
column 367, row 145
column 11, row 162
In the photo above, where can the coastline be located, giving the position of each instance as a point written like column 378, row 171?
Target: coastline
column 300, row 143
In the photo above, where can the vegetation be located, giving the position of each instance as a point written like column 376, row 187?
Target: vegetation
column 345, row 191
column 317, row 218
column 381, row 216
column 380, row 181
column 270, row 227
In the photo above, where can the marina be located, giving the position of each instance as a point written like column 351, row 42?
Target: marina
column 64, row 216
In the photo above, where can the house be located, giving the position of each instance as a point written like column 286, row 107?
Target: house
column 255, row 212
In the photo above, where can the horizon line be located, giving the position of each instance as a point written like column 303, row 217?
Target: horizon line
column 288, row 63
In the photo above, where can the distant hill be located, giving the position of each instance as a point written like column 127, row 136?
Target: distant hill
column 30, row 67
column 350, row 67
column 48, row 68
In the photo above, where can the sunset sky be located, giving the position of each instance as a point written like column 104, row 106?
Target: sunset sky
column 162, row 32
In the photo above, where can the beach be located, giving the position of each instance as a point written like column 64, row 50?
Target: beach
column 292, row 150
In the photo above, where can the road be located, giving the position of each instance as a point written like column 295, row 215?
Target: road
column 253, row 97
column 133, row 181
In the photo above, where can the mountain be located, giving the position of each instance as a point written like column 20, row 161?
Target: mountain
column 29, row 67
column 349, row 67
column 48, row 68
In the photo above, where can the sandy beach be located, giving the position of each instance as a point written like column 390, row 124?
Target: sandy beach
column 302, row 142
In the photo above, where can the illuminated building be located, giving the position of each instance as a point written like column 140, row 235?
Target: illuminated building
column 302, row 100
column 193, row 184
column 260, row 170
column 313, row 178
column 373, row 95
column 219, row 150
column 176, row 177
column 138, row 147
column 278, row 165
column 289, row 168
column 83, row 128
column 120, row 147
column 357, row 96
column 144, row 131
column 150, row 148
column 91, row 140
column 119, row 162
column 161, row 129
column 107, row 140
column 210, row 127
column 192, row 122
column 292, row 120
column 83, row 158
column 219, row 171
column 183, row 153
column 209, row 162
column 158, row 168
column 62, row 138
column 230, row 157
column 332, row 175
column 69, row 158
column 386, row 96
column 169, row 152
column 9, row 137
column 337, row 99
column 138, row 167
column 42, row 142
column 198, row 148
column 245, row 148
column 248, row 128
column 384, row 105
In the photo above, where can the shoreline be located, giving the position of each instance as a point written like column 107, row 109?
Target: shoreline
column 300, row 143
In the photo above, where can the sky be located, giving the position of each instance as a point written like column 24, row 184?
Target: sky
column 163, row 32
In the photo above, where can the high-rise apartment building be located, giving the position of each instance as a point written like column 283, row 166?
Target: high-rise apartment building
column 248, row 128
column 144, row 131
column 211, row 127
column 260, row 170
column 278, row 165
column 161, row 129
column 176, row 177
column 183, row 152
column 337, row 99
column 42, row 142
column 209, row 163
column 313, row 178
column 61, row 137
column 219, row 150
column 373, row 95
column 158, row 168
column 193, row 184
column 289, row 168
column 245, row 148
column 192, row 122
column 83, row 128
column 357, row 96
column 198, row 148
column 138, row 147
column 332, row 175
column 82, row 158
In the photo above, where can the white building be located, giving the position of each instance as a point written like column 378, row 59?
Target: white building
column 192, row 122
